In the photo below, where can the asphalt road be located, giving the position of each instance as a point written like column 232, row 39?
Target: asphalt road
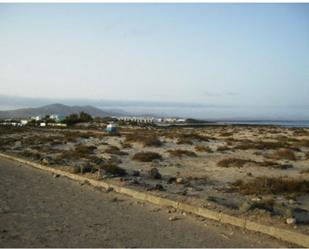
column 39, row 210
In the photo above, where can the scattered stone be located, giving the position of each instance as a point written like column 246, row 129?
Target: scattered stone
column 154, row 173
column 45, row 161
column 56, row 175
column 290, row 221
column 179, row 180
column 249, row 174
column 256, row 199
column 291, row 201
column 172, row 218
column 171, row 210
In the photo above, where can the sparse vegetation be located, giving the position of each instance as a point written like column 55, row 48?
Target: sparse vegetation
column 181, row 153
column 83, row 149
column 223, row 148
column 286, row 154
column 144, row 138
column 112, row 169
column 305, row 171
column 233, row 162
column 115, row 150
column 146, row 156
column 271, row 185
column 201, row 148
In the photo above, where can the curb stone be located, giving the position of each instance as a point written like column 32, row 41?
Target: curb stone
column 279, row 233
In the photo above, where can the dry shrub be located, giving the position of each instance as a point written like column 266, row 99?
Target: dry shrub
column 6, row 130
column 303, row 143
column 233, row 162
column 126, row 145
column 115, row 150
column 248, row 144
column 32, row 155
column 144, row 138
column 71, row 136
column 305, row 171
column 201, row 148
column 83, row 149
column 112, row 169
column 236, row 162
column 271, row 185
column 226, row 134
column 180, row 153
column 223, row 148
column 286, row 154
column 184, row 141
column 146, row 156
column 186, row 137
column 300, row 132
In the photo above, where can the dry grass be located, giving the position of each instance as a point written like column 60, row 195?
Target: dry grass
column 201, row 148
column 146, row 156
column 271, row 185
column 279, row 154
column 181, row 153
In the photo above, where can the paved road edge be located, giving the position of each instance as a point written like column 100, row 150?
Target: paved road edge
column 279, row 233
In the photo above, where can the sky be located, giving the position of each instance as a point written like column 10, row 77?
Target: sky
column 234, row 56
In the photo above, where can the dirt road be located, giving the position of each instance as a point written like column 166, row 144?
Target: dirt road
column 39, row 210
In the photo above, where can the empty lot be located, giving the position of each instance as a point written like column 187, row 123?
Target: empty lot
column 39, row 210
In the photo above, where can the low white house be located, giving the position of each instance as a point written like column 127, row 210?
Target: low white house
column 23, row 122
column 42, row 124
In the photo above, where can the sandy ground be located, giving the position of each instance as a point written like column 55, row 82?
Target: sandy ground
column 39, row 210
column 204, row 182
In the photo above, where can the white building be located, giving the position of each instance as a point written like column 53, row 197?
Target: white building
column 23, row 122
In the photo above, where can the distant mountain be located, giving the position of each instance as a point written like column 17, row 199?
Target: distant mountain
column 59, row 109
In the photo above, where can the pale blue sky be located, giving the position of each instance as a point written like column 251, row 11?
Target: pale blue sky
column 219, row 54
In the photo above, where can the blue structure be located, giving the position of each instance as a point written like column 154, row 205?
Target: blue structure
column 111, row 128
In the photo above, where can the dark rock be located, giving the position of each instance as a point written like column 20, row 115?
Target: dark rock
column 154, row 173
column 222, row 201
column 171, row 179
column 85, row 168
column 285, row 166
column 135, row 173
column 301, row 215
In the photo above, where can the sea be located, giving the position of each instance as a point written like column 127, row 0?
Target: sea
column 286, row 123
